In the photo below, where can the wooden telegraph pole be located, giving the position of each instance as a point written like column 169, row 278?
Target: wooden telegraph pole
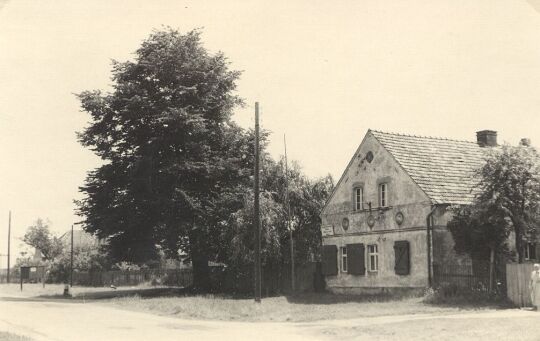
column 256, row 213
column 289, row 226
column 8, row 247
column 71, row 267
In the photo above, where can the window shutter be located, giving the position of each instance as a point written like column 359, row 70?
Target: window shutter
column 355, row 259
column 402, row 257
column 329, row 260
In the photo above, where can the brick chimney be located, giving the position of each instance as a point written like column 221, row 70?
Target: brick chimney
column 526, row 142
column 486, row 138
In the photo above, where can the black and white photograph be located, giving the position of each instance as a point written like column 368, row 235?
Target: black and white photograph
column 269, row 170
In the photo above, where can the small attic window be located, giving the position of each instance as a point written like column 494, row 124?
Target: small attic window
column 369, row 157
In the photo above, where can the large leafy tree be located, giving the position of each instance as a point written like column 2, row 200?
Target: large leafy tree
column 170, row 148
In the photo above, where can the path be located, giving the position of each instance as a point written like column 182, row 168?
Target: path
column 65, row 320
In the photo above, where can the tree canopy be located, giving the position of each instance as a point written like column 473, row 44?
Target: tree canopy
column 170, row 148
column 508, row 200
column 40, row 237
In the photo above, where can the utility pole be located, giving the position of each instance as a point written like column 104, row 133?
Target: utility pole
column 288, row 205
column 8, row 246
column 71, row 267
column 256, row 213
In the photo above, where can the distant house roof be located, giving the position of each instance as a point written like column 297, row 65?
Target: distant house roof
column 81, row 239
column 442, row 168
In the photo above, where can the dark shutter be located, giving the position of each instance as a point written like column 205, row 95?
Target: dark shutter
column 329, row 260
column 355, row 259
column 402, row 255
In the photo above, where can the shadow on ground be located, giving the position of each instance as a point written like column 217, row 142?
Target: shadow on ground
column 328, row 298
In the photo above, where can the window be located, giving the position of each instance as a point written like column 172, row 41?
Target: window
column 383, row 195
column 358, row 199
column 373, row 258
column 530, row 251
column 343, row 259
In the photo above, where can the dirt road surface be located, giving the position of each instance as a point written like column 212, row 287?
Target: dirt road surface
column 75, row 321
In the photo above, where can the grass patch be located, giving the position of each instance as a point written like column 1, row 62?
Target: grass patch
column 302, row 308
column 4, row 336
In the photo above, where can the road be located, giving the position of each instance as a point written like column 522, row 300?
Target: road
column 75, row 321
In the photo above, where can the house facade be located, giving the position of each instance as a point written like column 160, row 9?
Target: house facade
column 384, row 226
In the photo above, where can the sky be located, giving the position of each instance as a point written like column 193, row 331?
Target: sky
column 324, row 73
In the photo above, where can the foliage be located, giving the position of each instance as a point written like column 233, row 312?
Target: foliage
column 171, row 151
column 176, row 173
column 305, row 201
column 509, row 186
column 84, row 259
column 478, row 228
column 453, row 295
column 40, row 237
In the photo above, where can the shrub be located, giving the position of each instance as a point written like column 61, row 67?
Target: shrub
column 452, row 294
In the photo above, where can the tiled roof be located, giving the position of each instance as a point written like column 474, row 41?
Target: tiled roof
column 442, row 168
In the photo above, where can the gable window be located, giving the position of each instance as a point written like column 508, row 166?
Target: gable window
column 383, row 194
column 343, row 259
column 358, row 199
column 530, row 251
column 373, row 258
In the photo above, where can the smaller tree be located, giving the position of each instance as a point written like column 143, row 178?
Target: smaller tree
column 479, row 229
column 39, row 236
column 509, row 184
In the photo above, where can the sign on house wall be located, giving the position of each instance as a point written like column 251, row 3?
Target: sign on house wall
column 327, row 230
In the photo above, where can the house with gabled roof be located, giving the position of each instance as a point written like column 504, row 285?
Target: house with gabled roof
column 384, row 226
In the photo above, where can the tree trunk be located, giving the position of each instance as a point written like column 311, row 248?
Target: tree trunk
column 199, row 259
column 519, row 242
column 201, row 271
column 491, row 268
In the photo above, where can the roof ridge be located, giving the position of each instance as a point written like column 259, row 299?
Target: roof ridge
column 421, row 136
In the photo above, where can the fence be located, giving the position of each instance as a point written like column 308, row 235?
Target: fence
column 468, row 276
column 274, row 279
column 517, row 279
column 176, row 277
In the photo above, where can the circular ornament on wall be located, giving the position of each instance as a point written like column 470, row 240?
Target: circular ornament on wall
column 399, row 218
column 345, row 224
column 371, row 220
column 369, row 157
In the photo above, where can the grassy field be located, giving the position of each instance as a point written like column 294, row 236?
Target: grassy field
column 312, row 307
column 301, row 308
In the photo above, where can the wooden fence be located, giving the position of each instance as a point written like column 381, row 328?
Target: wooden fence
column 173, row 277
column 517, row 282
column 275, row 280
column 176, row 277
